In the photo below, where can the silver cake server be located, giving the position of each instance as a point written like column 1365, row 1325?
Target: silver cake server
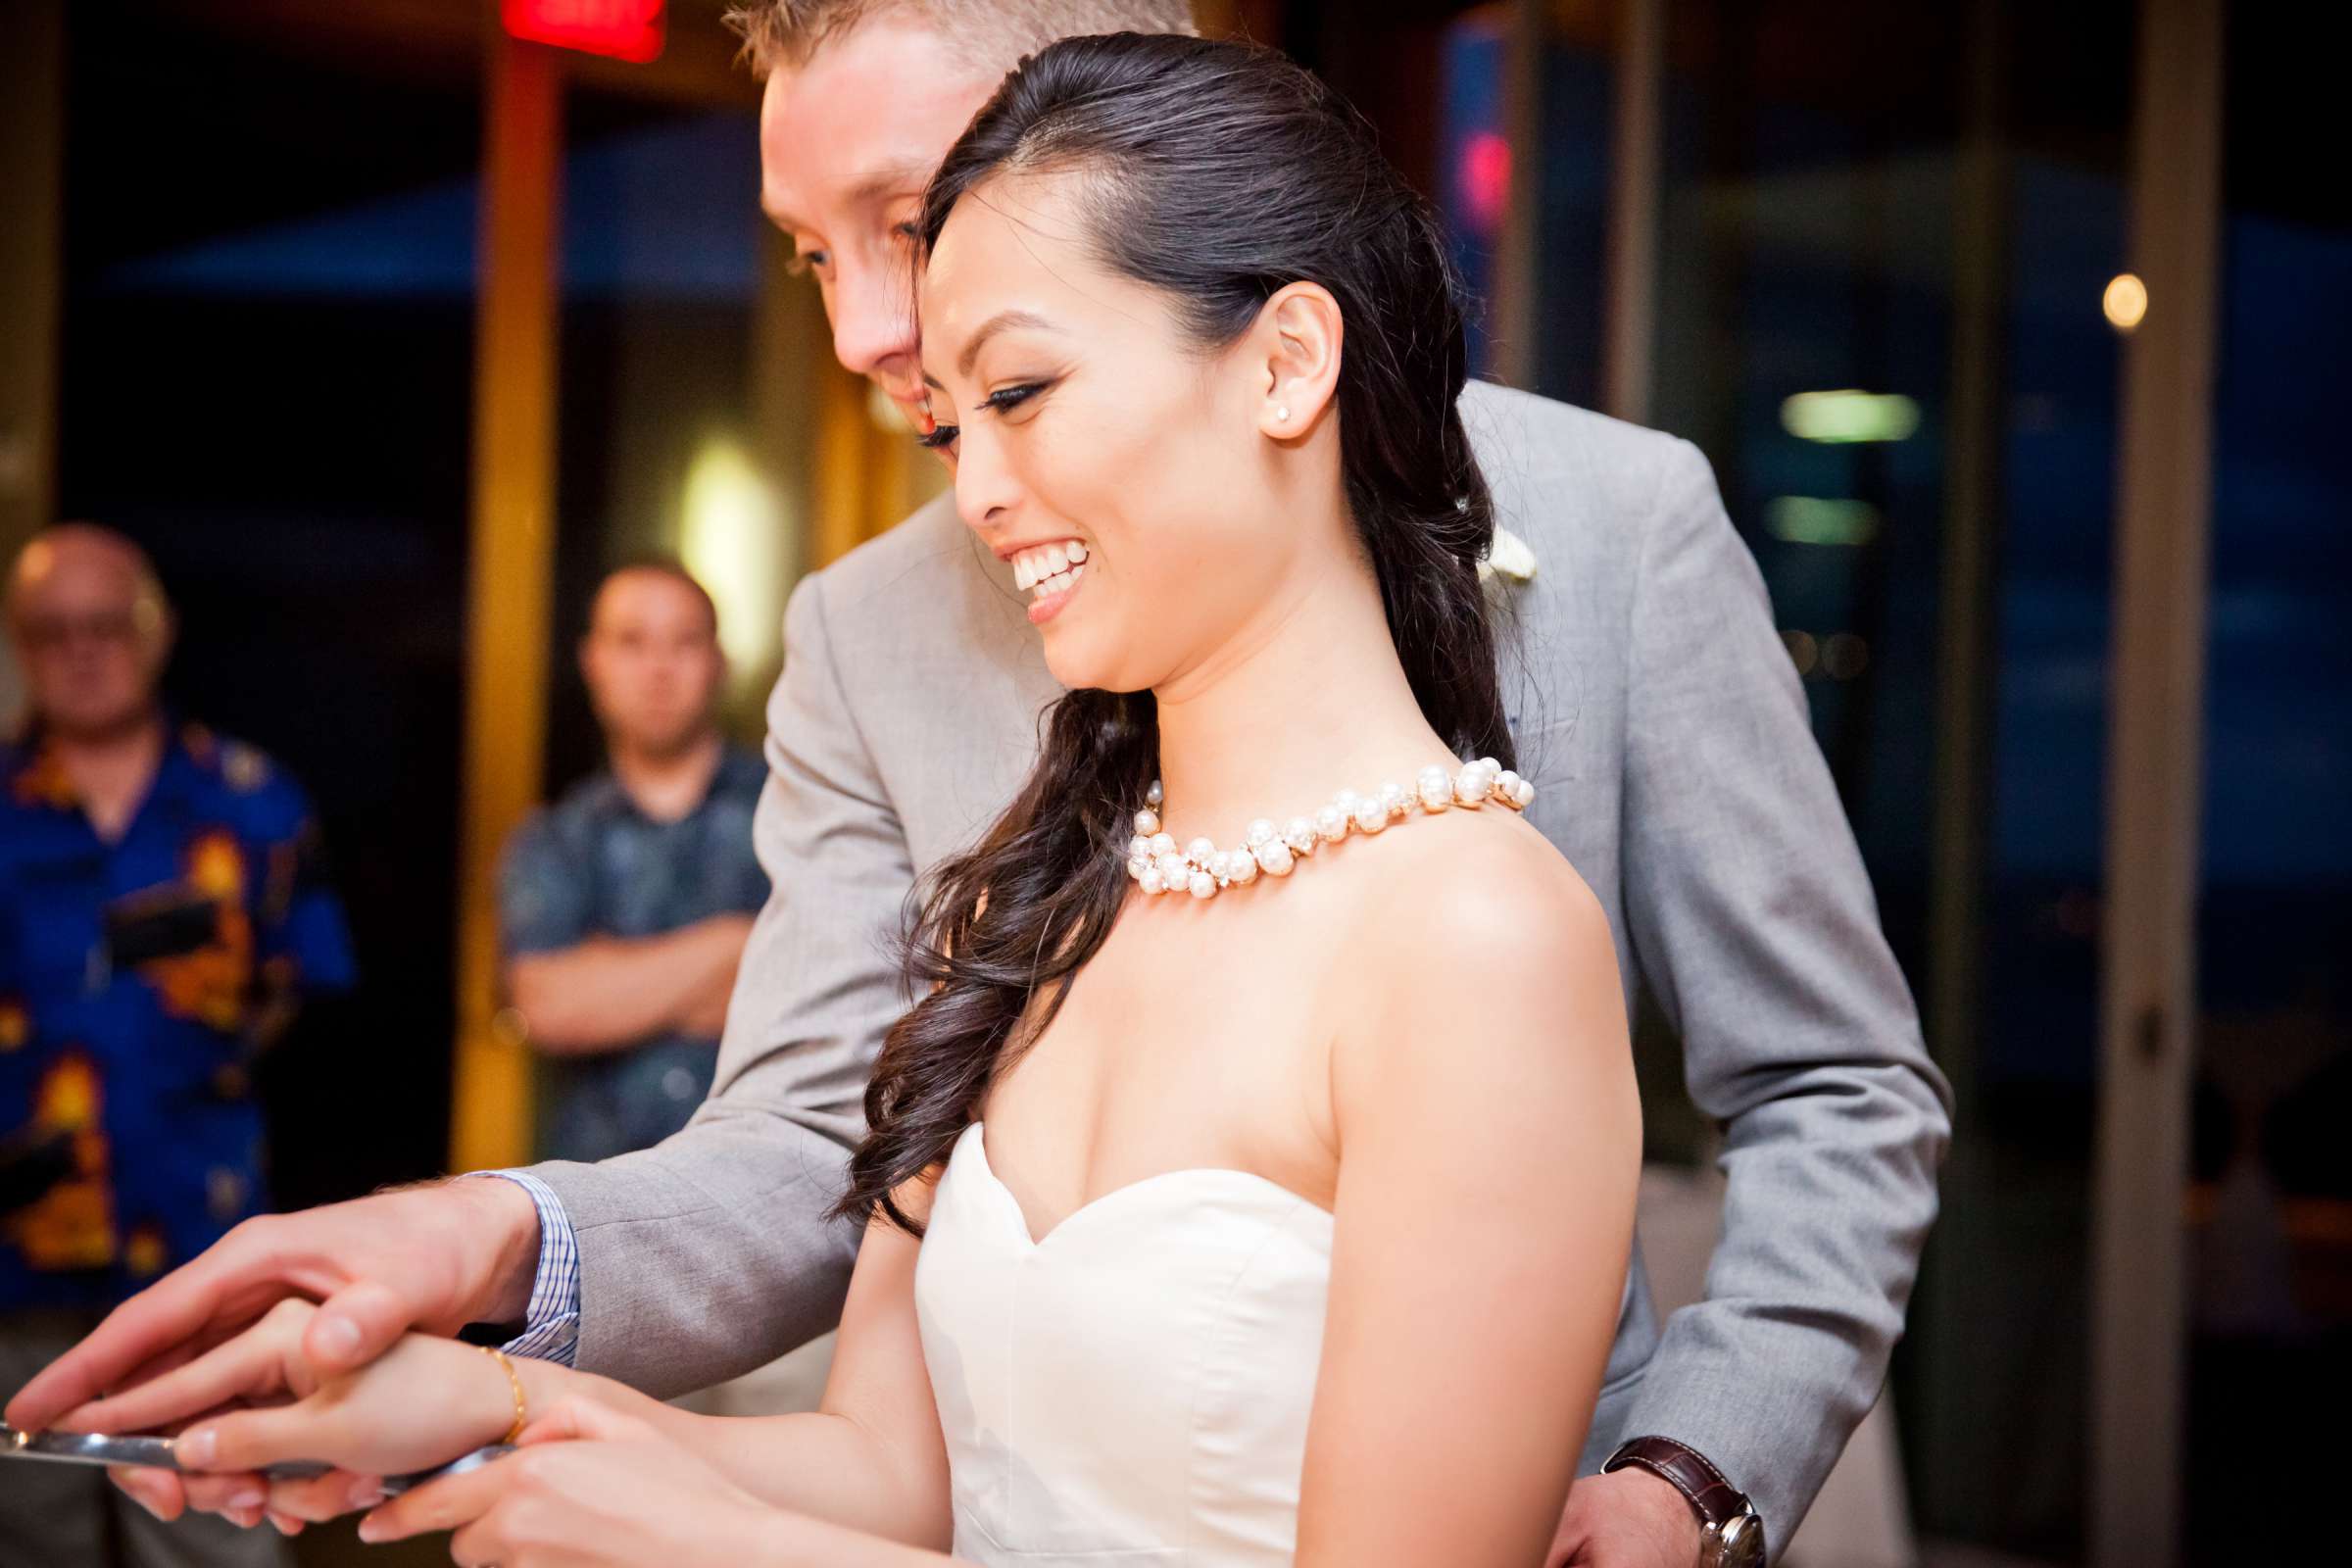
column 89, row 1447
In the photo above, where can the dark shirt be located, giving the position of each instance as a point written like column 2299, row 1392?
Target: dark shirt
column 137, row 980
column 594, row 864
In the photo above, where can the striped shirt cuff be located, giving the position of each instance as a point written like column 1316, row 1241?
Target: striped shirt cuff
column 550, row 1323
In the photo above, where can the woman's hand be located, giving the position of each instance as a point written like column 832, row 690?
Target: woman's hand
column 423, row 1402
column 626, row 1496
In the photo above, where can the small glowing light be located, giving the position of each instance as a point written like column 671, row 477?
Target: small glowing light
column 1844, row 656
column 1803, row 650
column 1847, row 415
column 731, row 537
column 2125, row 301
column 1485, row 178
column 1812, row 520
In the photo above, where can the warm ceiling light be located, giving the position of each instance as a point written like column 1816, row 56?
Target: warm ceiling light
column 732, row 537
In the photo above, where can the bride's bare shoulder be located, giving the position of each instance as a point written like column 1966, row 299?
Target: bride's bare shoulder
column 1479, row 910
column 1491, row 876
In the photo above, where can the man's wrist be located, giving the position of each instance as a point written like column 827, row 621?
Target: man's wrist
column 506, row 1213
column 1731, row 1534
column 1675, row 1523
column 549, row 1323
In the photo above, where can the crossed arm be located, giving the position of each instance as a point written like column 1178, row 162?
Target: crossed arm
column 609, row 993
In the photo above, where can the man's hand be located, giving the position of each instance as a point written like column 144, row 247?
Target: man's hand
column 1626, row 1519
column 433, row 1259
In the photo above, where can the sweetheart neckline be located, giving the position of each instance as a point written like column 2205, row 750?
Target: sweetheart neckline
column 978, row 1138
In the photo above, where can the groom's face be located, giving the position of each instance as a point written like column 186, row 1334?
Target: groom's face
column 847, row 143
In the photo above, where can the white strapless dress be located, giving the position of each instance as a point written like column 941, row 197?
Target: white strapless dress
column 1134, row 1387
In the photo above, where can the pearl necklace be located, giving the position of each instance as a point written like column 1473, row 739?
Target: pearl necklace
column 1201, row 869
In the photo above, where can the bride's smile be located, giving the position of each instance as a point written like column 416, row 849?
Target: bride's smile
column 1078, row 405
column 1049, row 573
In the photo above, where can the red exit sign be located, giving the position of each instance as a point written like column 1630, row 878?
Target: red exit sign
column 625, row 29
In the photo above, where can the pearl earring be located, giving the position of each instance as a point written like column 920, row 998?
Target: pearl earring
column 1282, row 413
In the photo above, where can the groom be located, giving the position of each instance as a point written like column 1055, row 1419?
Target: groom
column 1654, row 701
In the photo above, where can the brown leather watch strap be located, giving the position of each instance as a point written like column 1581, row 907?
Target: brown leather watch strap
column 1716, row 1500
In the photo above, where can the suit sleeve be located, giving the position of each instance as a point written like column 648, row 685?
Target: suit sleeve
column 1754, row 924
column 709, row 1253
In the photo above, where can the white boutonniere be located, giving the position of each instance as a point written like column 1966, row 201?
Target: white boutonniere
column 1508, row 559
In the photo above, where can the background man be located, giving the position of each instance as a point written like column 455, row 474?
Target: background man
column 161, row 914
column 623, row 909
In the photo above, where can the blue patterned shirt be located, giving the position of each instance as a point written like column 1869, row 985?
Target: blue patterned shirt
column 137, row 980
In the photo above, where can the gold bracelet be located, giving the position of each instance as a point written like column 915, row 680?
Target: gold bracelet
column 514, row 1381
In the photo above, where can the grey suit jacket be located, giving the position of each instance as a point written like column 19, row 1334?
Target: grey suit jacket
column 1660, row 715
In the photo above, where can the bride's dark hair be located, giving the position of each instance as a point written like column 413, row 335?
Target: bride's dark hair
column 1216, row 173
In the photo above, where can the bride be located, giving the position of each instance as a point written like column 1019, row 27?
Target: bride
column 1254, row 1181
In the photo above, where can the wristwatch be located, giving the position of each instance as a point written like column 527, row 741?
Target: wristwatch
column 1730, row 1532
